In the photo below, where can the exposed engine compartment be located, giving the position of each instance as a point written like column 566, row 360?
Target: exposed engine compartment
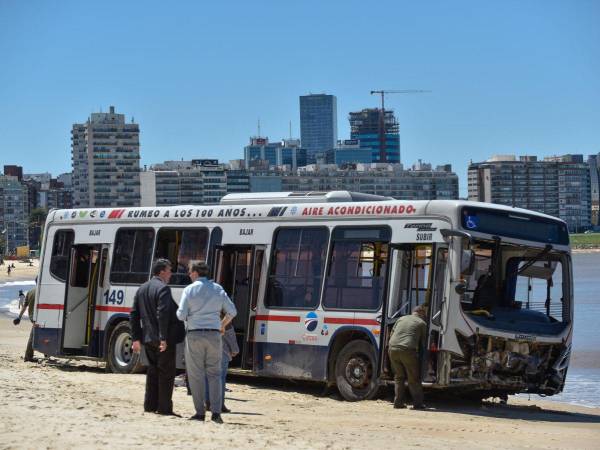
column 511, row 365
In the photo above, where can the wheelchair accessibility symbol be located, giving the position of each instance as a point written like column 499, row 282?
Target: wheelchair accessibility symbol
column 472, row 222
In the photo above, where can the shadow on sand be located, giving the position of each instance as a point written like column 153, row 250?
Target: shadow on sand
column 435, row 403
column 70, row 365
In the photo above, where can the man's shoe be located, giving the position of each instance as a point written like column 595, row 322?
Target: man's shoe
column 421, row 406
column 216, row 418
column 398, row 403
column 225, row 409
column 198, row 417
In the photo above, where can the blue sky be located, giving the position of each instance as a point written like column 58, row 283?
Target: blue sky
column 517, row 77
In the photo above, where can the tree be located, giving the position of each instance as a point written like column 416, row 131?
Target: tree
column 37, row 219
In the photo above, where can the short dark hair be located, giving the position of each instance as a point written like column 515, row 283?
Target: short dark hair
column 160, row 265
column 421, row 310
column 202, row 269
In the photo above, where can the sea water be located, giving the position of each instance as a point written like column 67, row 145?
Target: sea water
column 9, row 296
column 583, row 377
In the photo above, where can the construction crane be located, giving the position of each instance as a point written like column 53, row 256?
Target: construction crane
column 382, row 153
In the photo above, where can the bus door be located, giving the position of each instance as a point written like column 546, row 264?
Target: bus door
column 86, row 264
column 435, row 326
column 238, row 269
column 411, row 285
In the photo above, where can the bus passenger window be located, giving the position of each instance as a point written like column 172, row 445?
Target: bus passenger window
column 181, row 247
column 297, row 268
column 357, row 269
column 63, row 240
column 132, row 256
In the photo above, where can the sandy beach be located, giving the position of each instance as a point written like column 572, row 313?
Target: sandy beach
column 22, row 271
column 57, row 403
column 65, row 404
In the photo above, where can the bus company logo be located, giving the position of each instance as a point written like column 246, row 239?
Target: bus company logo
column 293, row 210
column 311, row 321
column 66, row 215
column 93, row 214
column 277, row 211
column 102, row 214
column 73, row 214
column 82, row 214
column 424, row 226
column 116, row 213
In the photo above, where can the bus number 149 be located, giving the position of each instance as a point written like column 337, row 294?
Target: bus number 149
column 114, row 297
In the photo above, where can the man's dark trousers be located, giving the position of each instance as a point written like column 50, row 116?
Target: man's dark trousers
column 406, row 366
column 160, row 378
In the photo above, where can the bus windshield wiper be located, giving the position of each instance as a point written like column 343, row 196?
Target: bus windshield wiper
column 535, row 259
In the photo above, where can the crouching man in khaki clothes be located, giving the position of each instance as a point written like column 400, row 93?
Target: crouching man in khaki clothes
column 407, row 339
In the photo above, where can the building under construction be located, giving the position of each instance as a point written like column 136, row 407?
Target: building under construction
column 380, row 135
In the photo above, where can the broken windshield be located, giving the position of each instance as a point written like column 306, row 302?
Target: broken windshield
column 518, row 288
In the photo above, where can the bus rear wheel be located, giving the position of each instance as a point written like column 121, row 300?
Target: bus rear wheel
column 121, row 358
column 355, row 371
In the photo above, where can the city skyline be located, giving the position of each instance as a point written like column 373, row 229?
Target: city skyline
column 503, row 80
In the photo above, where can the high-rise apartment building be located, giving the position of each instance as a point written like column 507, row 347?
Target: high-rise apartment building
column 318, row 124
column 14, row 171
column 195, row 182
column 181, row 182
column 558, row 186
column 106, row 161
column 381, row 138
column 594, row 163
column 376, row 178
column 13, row 214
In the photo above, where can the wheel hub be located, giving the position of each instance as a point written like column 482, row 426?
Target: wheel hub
column 358, row 372
column 123, row 353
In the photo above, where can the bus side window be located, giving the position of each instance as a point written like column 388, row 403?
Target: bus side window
column 63, row 241
column 297, row 268
column 132, row 256
column 357, row 269
column 181, row 247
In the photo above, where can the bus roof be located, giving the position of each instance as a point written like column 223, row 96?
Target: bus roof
column 305, row 205
column 256, row 198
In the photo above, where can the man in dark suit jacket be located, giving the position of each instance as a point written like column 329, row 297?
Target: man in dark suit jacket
column 155, row 325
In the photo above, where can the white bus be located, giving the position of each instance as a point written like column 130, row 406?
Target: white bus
column 319, row 279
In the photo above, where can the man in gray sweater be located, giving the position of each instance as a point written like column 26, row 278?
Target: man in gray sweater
column 406, row 341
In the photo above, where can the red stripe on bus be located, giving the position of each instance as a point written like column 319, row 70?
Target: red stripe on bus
column 351, row 321
column 271, row 318
column 49, row 306
column 113, row 308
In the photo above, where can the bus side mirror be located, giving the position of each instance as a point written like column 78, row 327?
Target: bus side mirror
column 467, row 262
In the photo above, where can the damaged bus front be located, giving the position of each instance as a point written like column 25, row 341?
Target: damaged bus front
column 511, row 304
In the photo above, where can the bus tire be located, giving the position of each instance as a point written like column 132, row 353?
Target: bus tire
column 121, row 358
column 355, row 371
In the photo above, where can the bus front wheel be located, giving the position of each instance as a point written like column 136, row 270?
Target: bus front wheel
column 121, row 358
column 355, row 371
